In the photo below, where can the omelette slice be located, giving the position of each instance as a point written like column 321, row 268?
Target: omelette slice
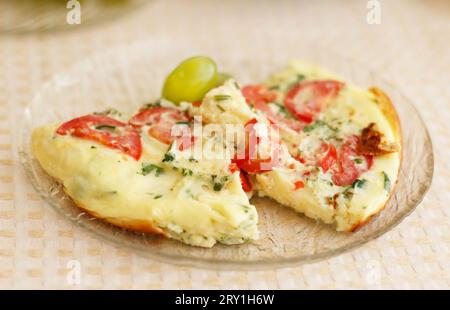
column 342, row 142
column 124, row 173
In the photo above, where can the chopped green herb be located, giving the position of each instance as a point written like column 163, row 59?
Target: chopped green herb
column 358, row 183
column 281, row 108
column 183, row 123
column 193, row 160
column 298, row 79
column 186, row 172
column 168, row 157
column 218, row 184
column 112, row 192
column 100, row 127
column 358, row 160
column 314, row 125
column 157, row 197
column 274, row 87
column 387, row 182
column 218, row 187
column 318, row 124
column 220, row 108
column 148, row 168
column 236, row 85
column 222, row 97
column 152, row 105
column 93, row 147
column 246, row 208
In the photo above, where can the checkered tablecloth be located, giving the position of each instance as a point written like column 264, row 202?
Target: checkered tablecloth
column 411, row 46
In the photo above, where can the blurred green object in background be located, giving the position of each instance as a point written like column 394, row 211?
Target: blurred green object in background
column 35, row 16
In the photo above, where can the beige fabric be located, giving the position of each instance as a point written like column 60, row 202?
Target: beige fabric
column 410, row 45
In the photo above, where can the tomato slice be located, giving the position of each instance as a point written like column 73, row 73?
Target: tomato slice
column 160, row 121
column 328, row 157
column 259, row 96
column 347, row 171
column 299, row 185
column 307, row 99
column 251, row 163
column 246, row 186
column 87, row 127
column 325, row 157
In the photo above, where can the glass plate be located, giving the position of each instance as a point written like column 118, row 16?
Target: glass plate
column 128, row 76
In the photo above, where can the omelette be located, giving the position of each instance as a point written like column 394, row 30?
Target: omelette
column 331, row 151
column 127, row 174
column 343, row 142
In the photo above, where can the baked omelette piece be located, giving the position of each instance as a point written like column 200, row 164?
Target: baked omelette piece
column 124, row 173
column 343, row 142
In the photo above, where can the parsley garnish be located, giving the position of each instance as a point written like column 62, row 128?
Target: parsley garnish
column 168, row 157
column 148, row 168
column 151, row 105
column 186, row 172
column 358, row 160
column 281, row 108
column 274, row 87
column 236, row 85
column 317, row 124
column 157, row 197
column 298, row 79
column 222, row 97
column 218, row 184
column 387, row 182
column 183, row 123
column 359, row 183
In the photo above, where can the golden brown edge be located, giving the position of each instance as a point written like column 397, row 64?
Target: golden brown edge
column 143, row 226
column 388, row 109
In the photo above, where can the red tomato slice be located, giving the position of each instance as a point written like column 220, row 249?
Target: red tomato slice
column 299, row 185
column 307, row 99
column 233, row 167
column 160, row 121
column 259, row 96
column 346, row 170
column 128, row 141
column 324, row 157
column 328, row 157
column 246, row 186
column 251, row 163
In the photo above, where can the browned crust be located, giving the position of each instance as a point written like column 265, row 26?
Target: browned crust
column 386, row 106
column 144, row 226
